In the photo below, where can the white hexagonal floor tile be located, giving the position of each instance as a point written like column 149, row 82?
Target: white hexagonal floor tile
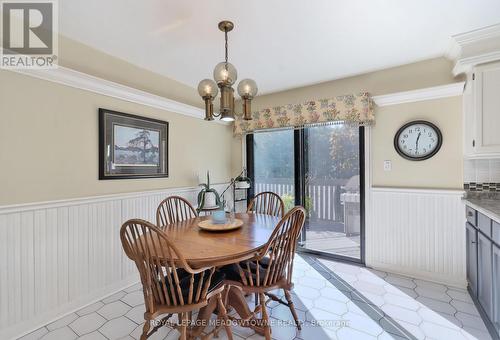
column 63, row 333
column 160, row 334
column 403, row 314
column 347, row 333
column 435, row 331
column 332, row 306
column 136, row 314
column 114, row 297
column 90, row 308
column 87, row 323
column 363, row 324
column 114, row 310
column 432, row 293
column 402, row 281
column 64, row 321
column 437, row 306
column 464, row 307
column 471, row 321
column 118, row 328
column 401, row 301
column 307, row 292
column 461, row 295
column 35, row 335
column 93, row 336
column 134, row 299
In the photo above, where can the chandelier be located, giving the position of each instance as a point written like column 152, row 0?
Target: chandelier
column 225, row 76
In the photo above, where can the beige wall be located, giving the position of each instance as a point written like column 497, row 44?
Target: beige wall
column 442, row 171
column 49, row 143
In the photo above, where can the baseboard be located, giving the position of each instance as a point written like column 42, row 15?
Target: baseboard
column 419, row 274
column 31, row 325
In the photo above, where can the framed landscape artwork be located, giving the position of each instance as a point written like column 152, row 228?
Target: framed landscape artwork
column 131, row 146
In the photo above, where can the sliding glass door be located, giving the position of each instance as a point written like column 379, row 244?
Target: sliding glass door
column 320, row 168
column 332, row 190
column 273, row 166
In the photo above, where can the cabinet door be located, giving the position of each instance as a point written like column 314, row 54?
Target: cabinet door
column 471, row 249
column 484, row 274
column 487, row 108
column 496, row 288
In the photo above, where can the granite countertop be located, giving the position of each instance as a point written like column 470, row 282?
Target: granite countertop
column 486, row 206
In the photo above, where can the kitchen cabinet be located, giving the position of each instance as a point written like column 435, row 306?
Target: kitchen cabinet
column 471, row 251
column 483, row 265
column 496, row 289
column 482, row 112
column 484, row 274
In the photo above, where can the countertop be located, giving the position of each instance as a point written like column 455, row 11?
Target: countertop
column 486, row 206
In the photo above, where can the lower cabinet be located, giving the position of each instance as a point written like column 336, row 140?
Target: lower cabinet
column 496, row 290
column 484, row 274
column 471, row 251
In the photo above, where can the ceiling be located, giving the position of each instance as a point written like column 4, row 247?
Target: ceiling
column 281, row 44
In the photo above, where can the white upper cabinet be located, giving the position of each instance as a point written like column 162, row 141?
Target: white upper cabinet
column 482, row 112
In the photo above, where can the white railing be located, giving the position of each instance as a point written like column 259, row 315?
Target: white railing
column 323, row 200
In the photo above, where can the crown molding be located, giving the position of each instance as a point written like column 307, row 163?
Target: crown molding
column 462, row 46
column 436, row 92
column 87, row 82
column 464, row 65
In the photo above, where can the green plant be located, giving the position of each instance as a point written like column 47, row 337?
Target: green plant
column 206, row 189
column 289, row 201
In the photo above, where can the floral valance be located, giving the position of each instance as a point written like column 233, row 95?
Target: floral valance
column 356, row 108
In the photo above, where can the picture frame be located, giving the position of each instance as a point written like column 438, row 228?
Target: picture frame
column 131, row 146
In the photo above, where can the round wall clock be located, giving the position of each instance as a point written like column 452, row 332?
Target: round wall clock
column 418, row 140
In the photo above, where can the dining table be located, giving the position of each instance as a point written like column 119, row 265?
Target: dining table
column 202, row 248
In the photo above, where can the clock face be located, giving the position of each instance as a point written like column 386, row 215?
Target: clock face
column 418, row 140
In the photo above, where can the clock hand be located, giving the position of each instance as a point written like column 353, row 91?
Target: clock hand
column 416, row 144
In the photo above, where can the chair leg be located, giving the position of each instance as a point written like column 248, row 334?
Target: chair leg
column 183, row 318
column 145, row 329
column 225, row 318
column 265, row 316
column 288, row 297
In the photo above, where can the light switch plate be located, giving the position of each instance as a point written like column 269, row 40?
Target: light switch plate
column 387, row 165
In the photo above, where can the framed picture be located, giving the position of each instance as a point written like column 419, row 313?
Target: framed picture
column 132, row 146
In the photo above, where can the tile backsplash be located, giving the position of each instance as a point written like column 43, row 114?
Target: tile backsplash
column 482, row 174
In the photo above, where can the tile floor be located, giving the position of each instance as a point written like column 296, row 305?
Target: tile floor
column 334, row 301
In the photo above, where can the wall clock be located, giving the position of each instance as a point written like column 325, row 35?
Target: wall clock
column 418, row 140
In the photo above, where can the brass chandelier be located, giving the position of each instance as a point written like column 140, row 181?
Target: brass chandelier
column 225, row 76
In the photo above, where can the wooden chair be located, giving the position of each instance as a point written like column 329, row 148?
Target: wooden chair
column 174, row 209
column 170, row 285
column 268, row 203
column 271, row 268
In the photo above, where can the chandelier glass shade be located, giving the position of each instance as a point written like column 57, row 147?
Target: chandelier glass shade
column 225, row 76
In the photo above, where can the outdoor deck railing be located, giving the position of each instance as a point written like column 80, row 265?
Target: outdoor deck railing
column 323, row 198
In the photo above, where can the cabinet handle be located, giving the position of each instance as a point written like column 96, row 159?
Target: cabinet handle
column 470, row 214
column 473, row 242
column 473, row 143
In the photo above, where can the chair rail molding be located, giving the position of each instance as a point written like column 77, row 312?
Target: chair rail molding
column 87, row 82
column 57, row 257
column 429, row 93
column 419, row 233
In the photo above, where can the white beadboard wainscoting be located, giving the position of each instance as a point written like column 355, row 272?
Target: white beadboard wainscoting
column 56, row 257
column 417, row 232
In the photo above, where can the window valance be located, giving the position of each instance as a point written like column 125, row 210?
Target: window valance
column 357, row 108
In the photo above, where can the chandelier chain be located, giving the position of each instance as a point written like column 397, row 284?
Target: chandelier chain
column 225, row 34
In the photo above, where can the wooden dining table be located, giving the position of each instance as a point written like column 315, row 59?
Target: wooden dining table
column 203, row 248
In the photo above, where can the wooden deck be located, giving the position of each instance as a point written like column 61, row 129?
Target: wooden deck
column 328, row 236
